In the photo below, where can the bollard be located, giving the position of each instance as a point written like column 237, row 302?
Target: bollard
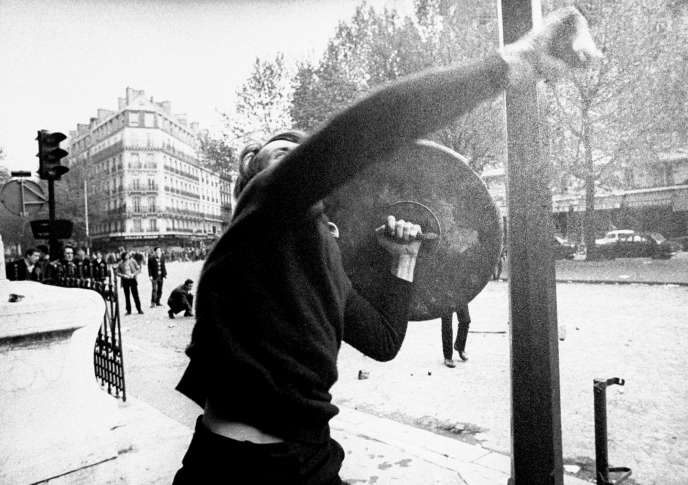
column 602, row 469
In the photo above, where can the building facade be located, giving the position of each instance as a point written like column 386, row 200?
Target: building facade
column 657, row 201
column 143, row 179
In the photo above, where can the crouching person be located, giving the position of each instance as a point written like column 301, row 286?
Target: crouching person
column 181, row 299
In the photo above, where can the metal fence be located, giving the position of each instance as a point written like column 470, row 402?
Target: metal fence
column 107, row 354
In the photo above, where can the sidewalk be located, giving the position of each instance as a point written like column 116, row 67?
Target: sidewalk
column 378, row 451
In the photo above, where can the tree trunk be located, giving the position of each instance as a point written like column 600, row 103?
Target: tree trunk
column 589, row 219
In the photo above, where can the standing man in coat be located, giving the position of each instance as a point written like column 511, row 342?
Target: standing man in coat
column 127, row 270
column 157, row 272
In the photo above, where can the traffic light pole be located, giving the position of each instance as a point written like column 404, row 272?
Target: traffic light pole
column 52, row 241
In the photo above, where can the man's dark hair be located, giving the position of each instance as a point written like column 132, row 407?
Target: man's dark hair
column 250, row 165
column 156, row 248
column 29, row 252
column 188, row 282
column 43, row 248
column 123, row 256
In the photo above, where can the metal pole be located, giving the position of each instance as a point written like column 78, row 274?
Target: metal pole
column 601, row 450
column 88, row 239
column 23, row 211
column 52, row 240
column 603, row 471
column 535, row 402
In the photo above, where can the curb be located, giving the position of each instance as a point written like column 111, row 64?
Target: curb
column 614, row 282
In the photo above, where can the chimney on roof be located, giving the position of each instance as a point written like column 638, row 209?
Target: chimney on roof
column 104, row 113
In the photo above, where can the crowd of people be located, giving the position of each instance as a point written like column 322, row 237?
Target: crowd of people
column 76, row 268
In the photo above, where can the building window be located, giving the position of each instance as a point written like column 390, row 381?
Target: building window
column 152, row 225
column 137, row 225
column 151, row 183
column 151, row 204
column 134, row 160
column 136, row 204
column 133, row 119
column 149, row 120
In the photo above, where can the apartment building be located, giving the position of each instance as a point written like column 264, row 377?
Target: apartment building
column 144, row 182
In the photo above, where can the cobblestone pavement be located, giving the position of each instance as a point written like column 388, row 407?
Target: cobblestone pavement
column 637, row 332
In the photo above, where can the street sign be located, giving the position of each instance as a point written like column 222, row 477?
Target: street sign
column 41, row 229
column 22, row 197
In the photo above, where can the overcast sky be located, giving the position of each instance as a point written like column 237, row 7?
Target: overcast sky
column 61, row 60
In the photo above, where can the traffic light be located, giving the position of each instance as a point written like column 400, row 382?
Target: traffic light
column 50, row 154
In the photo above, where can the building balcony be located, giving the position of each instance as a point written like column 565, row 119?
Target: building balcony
column 181, row 173
column 181, row 192
column 106, row 152
column 169, row 150
column 117, row 210
column 143, row 190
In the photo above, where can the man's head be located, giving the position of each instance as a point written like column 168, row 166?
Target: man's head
column 188, row 285
column 157, row 251
column 80, row 254
column 124, row 256
column 99, row 255
column 45, row 252
column 31, row 255
column 256, row 157
column 68, row 253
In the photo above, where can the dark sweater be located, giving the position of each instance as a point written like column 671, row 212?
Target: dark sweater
column 274, row 303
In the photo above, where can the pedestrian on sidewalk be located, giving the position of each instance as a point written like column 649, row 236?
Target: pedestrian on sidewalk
column 274, row 304
column 127, row 270
column 181, row 299
column 157, row 272
column 464, row 321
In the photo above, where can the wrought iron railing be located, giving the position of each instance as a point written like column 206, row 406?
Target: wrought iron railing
column 107, row 354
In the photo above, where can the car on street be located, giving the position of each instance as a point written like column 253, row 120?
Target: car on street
column 682, row 241
column 563, row 248
column 626, row 243
column 660, row 247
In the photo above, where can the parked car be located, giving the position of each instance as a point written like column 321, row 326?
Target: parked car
column 562, row 248
column 626, row 243
column 622, row 243
column 616, row 236
column 660, row 247
column 682, row 241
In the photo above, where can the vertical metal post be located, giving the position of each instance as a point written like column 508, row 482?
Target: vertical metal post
column 602, row 468
column 22, row 200
column 535, row 402
column 88, row 239
column 601, row 452
column 52, row 240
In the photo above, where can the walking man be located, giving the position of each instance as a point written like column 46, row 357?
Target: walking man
column 464, row 318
